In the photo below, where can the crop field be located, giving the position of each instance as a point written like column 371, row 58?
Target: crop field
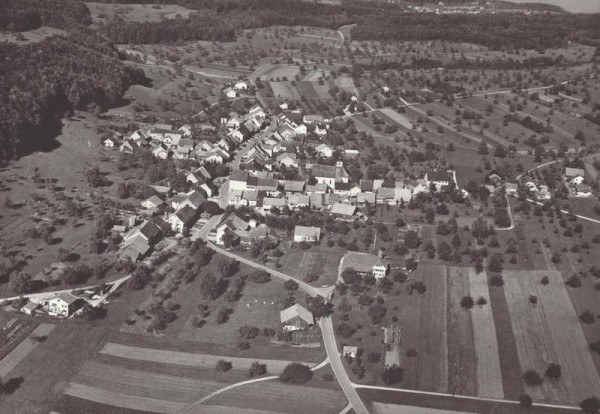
column 276, row 73
column 282, row 398
column 13, row 331
column 102, row 12
column 488, row 372
column 462, row 365
column 284, row 90
column 24, row 348
column 549, row 332
column 301, row 263
column 345, row 83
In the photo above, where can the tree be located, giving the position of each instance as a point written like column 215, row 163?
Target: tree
column 467, row 302
column 21, row 283
column 223, row 366
column 590, row 405
column 574, row 281
column 291, row 285
column 587, row 317
column 296, row 373
column 249, row 332
column 553, row 372
column 260, row 276
column 318, row 306
column 497, row 281
column 411, row 239
column 525, row 401
column 377, row 312
column 257, row 369
column 595, row 347
column 392, row 375
column 532, row 378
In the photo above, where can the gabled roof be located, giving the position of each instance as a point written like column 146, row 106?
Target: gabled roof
column 155, row 200
column 362, row 262
column 307, row 231
column 139, row 244
column 66, row 297
column 234, row 221
column 366, row 185
column 149, row 230
column 186, row 214
column 297, row 311
column 196, row 198
column 343, row 209
column 294, row 186
column 574, row 172
column 238, row 175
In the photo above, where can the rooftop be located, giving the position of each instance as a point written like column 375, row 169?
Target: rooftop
column 361, row 262
column 296, row 311
column 307, row 231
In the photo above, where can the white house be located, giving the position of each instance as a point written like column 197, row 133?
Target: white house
column 230, row 93
column 364, row 264
column 182, row 218
column 110, row 142
column 440, row 179
column 63, row 304
column 296, row 318
column 574, row 175
column 324, row 150
column 307, row 234
column 152, row 202
column 241, row 86
column 185, row 130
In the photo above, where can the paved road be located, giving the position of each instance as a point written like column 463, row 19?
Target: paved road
column 338, row 368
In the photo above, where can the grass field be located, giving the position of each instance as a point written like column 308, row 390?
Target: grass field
column 320, row 262
column 549, row 332
column 32, row 36
column 102, row 12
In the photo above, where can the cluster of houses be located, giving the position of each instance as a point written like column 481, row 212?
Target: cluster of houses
column 327, row 188
column 573, row 180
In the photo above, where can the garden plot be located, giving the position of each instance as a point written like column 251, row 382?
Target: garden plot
column 489, row 374
column 549, row 332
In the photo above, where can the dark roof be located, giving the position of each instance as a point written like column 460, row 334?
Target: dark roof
column 343, row 186
column 196, row 198
column 150, row 230
column 238, row 175
column 439, row 176
column 366, row 185
column 252, row 180
column 186, row 214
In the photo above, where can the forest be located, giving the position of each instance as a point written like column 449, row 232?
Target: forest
column 22, row 15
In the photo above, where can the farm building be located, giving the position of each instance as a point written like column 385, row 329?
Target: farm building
column 63, row 304
column 296, row 318
column 343, row 210
column 350, row 351
column 307, row 234
column 440, row 179
column 152, row 202
column 364, row 264
column 574, row 175
column 330, row 174
column 184, row 217
column 29, row 308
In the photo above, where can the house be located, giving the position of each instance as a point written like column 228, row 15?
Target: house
column 229, row 227
column 194, row 199
column 330, row 174
column 268, row 203
column 324, row 150
column 139, row 135
column 290, row 187
column 185, row 130
column 134, row 248
column 30, row 308
column 543, row 193
column 363, row 199
column 312, row 119
column 182, row 152
column 230, row 93
column 307, row 234
column 201, row 175
column 320, row 130
column 574, row 175
column 346, row 189
column 583, row 190
column 364, row 263
column 127, row 147
column 184, row 217
column 241, row 86
column 440, row 179
column 161, row 151
column 63, row 304
column 110, row 142
column 350, row 351
column 296, row 318
column 152, row 202
column 351, row 153
column 511, row 188
column 297, row 201
column 341, row 210
column 238, row 180
column 257, row 111
column 287, row 160
column 150, row 231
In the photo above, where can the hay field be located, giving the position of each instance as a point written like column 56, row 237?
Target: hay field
column 186, row 358
column 489, row 374
column 284, row 90
column 462, row 375
column 282, row 398
column 113, row 398
column 549, row 332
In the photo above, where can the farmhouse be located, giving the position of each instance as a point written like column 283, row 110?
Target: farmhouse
column 110, row 142
column 329, row 174
column 307, row 234
column 152, row 203
column 63, row 304
column 230, row 93
column 345, row 211
column 440, row 179
column 574, row 175
column 324, row 150
column 296, row 318
column 365, row 264
column 350, row 351
column 127, row 147
column 30, row 308
column 184, row 217
column 241, row 86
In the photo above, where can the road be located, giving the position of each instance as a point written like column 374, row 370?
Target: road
column 338, row 368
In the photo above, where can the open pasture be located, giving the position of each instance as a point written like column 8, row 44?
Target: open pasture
column 275, row 396
column 102, row 12
column 549, row 332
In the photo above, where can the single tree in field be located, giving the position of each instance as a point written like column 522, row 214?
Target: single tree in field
column 590, row 405
column 257, row 369
column 553, row 372
column 525, row 401
column 467, row 302
column 296, row 373
column 223, row 366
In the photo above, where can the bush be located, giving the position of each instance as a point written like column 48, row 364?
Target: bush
column 268, row 332
column 257, row 369
column 223, row 366
column 590, row 405
column 223, row 315
column 296, row 373
column 525, row 401
column 411, row 353
column 533, row 299
column 595, row 347
column 467, row 302
column 392, row 375
column 311, row 277
column 497, row 281
column 249, row 332
column 532, row 378
column 481, row 301
column 260, row 276
column 574, row 281
column 345, row 330
column 290, row 285
column 587, row 317
column 553, row 372
column 243, row 345
column 545, row 281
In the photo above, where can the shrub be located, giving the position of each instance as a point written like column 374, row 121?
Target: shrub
column 481, row 301
column 223, row 366
column 545, row 281
column 290, row 285
column 243, row 345
column 249, row 332
column 411, row 353
column 533, row 299
column 296, row 373
column 590, row 405
column 587, row 317
column 467, row 302
column 496, row 280
column 532, row 378
column 257, row 369
column 311, row 277
column 268, row 332
column 223, row 315
column 260, row 276
column 553, row 372
column 574, row 281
